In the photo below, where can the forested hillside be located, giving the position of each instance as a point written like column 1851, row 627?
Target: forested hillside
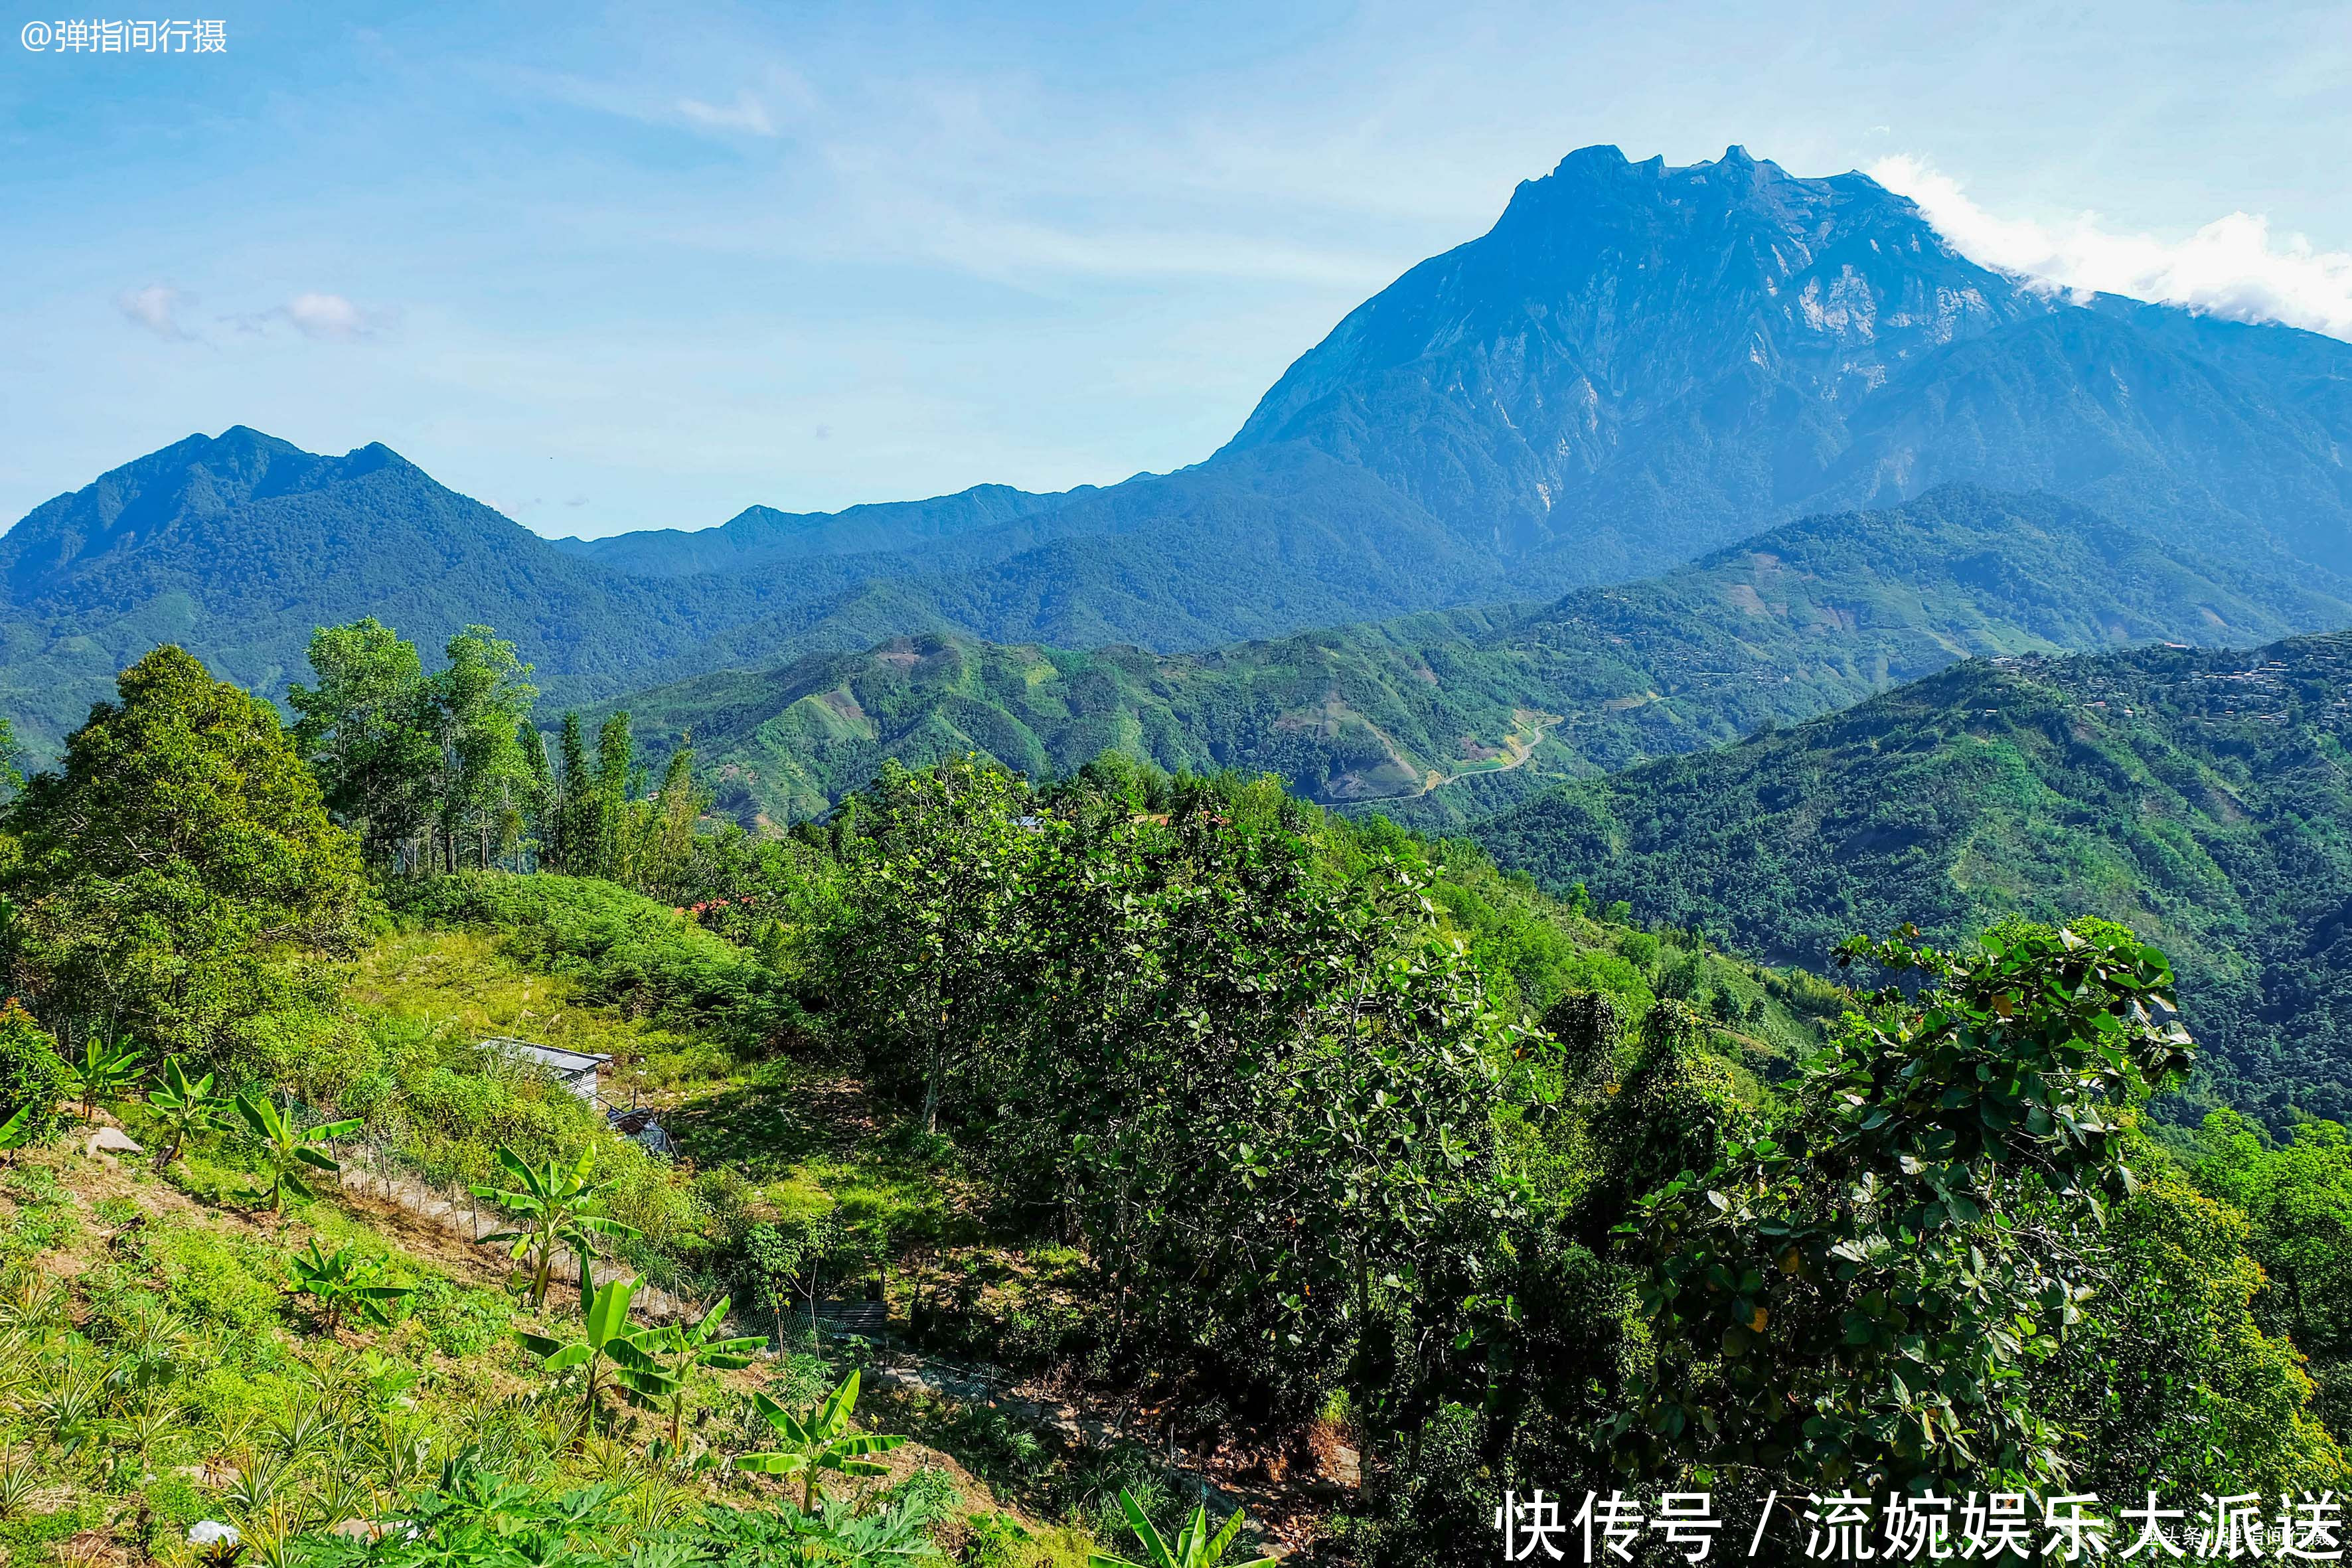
column 2201, row 796
column 1331, row 1165
column 1798, row 621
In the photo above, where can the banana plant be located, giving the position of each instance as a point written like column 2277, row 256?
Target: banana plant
column 818, row 1443
column 605, row 1335
column 560, row 1206
column 17, row 1130
column 108, row 1070
column 1195, row 1547
column 290, row 1149
column 683, row 1352
column 342, row 1280
column 187, row 1109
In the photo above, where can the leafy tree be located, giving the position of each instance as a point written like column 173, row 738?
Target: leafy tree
column 287, row 1149
column 561, row 1205
column 2170, row 1382
column 1261, row 1098
column 605, row 1336
column 783, row 1253
column 1195, row 1545
column 664, row 844
column 367, row 728
column 107, row 1070
column 1859, row 1296
column 818, row 1444
column 483, row 703
column 179, row 868
column 615, row 774
column 187, row 1109
column 32, row 1078
column 2297, row 1201
column 933, row 889
column 344, row 1281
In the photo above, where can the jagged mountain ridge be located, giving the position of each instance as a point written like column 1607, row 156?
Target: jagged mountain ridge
column 1638, row 362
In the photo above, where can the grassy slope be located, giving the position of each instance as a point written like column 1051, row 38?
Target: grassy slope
column 97, row 1256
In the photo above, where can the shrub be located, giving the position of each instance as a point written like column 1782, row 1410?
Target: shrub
column 31, row 1071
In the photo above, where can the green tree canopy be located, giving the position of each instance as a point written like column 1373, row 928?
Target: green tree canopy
column 368, row 727
column 178, row 867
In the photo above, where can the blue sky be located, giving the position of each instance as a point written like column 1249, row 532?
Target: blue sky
column 641, row 267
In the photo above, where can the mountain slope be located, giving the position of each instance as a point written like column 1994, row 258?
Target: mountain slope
column 1798, row 621
column 2205, row 798
column 239, row 545
column 1639, row 363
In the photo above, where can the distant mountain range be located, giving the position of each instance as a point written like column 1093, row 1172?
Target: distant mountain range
column 2201, row 796
column 1798, row 621
column 759, row 535
column 1637, row 365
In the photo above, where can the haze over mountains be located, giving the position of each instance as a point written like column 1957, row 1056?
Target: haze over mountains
column 1636, row 365
column 1495, row 703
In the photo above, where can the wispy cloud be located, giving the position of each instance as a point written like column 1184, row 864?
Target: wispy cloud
column 749, row 115
column 2233, row 267
column 157, row 308
column 330, row 318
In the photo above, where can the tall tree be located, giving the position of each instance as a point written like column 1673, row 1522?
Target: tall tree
column 483, row 701
column 615, row 765
column 367, row 728
column 571, row 826
column 668, row 832
column 178, row 868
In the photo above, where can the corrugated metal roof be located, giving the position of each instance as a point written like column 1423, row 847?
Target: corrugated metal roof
column 564, row 1062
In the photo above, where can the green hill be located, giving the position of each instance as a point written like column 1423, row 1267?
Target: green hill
column 1440, row 717
column 2202, row 797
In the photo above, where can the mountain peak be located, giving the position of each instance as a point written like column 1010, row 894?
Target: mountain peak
column 1599, row 155
column 1618, row 307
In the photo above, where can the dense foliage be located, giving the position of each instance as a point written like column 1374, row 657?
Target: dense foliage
column 2200, row 797
column 1301, row 1130
column 169, row 880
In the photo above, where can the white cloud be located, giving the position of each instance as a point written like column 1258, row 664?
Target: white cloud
column 2233, row 267
column 156, row 308
column 749, row 115
column 328, row 316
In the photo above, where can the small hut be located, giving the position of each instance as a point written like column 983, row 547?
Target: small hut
column 575, row 1070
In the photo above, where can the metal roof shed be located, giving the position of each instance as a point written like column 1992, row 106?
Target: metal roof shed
column 575, row 1070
